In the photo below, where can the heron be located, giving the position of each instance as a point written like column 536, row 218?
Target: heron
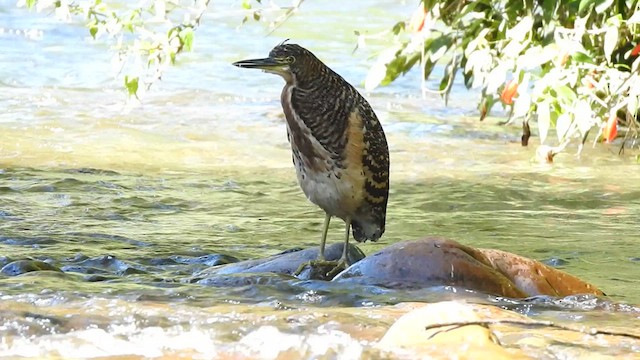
column 339, row 148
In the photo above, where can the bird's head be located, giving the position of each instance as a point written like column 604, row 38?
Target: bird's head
column 286, row 60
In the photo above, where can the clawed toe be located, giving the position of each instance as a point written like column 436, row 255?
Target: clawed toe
column 323, row 269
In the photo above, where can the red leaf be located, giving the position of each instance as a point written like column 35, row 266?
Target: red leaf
column 510, row 89
column 610, row 129
column 417, row 19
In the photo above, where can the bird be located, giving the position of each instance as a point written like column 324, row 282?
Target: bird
column 339, row 148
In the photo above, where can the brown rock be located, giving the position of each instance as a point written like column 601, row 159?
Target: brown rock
column 430, row 262
column 409, row 333
column 436, row 262
column 536, row 278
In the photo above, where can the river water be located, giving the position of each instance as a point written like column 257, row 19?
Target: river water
column 132, row 202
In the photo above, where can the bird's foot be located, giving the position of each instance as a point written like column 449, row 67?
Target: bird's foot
column 323, row 269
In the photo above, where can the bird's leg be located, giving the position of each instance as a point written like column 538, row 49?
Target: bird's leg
column 323, row 239
column 324, row 268
column 343, row 263
column 345, row 250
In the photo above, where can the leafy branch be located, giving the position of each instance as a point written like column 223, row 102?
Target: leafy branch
column 148, row 37
column 572, row 65
column 145, row 39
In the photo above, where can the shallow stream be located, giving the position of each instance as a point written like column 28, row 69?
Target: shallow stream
column 131, row 204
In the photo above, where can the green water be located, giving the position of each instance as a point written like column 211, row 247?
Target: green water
column 132, row 203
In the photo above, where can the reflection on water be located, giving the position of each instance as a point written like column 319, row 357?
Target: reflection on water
column 131, row 204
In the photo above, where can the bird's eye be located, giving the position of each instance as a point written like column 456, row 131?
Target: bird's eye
column 290, row 59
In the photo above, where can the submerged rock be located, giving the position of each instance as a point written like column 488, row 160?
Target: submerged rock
column 410, row 334
column 285, row 263
column 457, row 330
column 245, row 279
column 437, row 262
column 4, row 260
column 20, row 267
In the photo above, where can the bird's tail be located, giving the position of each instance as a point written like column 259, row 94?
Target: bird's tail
column 367, row 230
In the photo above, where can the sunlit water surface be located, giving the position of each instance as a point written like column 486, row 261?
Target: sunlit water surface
column 130, row 204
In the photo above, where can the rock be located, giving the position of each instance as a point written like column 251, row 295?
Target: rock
column 409, row 333
column 20, row 267
column 245, row 279
column 437, row 262
column 209, row 260
column 430, row 262
column 285, row 263
column 489, row 332
column 4, row 260
column 536, row 278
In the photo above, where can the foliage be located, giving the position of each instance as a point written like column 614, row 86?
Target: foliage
column 572, row 64
column 146, row 38
column 257, row 11
column 149, row 36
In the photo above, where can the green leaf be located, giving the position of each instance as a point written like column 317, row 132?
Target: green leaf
column 522, row 105
column 186, row 37
column 565, row 93
column 132, row 85
column 519, row 32
column 585, row 7
column 544, row 120
column 603, row 5
column 549, row 10
column 30, row 4
column 438, row 48
column 93, row 31
column 632, row 104
column 485, row 106
column 384, row 69
column 610, row 42
column 246, row 4
column 634, row 19
column 444, row 83
column 497, row 77
column 582, row 58
column 428, row 68
column 562, row 126
column 398, row 27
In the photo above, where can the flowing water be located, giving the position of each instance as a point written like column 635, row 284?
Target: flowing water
column 132, row 203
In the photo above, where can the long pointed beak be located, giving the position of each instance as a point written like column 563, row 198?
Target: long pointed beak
column 265, row 64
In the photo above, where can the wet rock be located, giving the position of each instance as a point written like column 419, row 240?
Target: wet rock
column 97, row 278
column 20, row 267
column 4, row 260
column 410, row 333
column 209, row 260
column 284, row 263
column 245, row 279
column 437, row 262
column 430, row 262
column 453, row 329
column 106, row 263
column 536, row 278
column 83, row 269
